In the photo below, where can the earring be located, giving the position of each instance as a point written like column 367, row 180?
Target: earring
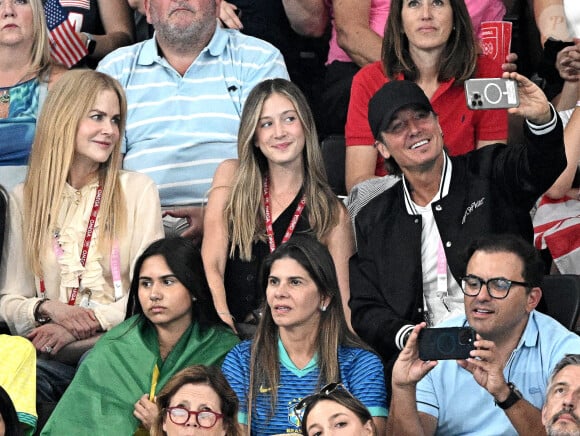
column 193, row 299
column 323, row 308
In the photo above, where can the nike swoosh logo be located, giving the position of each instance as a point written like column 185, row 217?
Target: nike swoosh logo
column 264, row 390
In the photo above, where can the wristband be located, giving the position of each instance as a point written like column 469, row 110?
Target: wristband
column 37, row 317
column 91, row 43
column 578, row 103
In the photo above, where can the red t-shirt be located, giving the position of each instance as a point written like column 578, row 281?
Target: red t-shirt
column 462, row 127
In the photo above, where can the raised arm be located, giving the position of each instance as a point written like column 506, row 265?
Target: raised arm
column 117, row 19
column 527, row 170
column 550, row 19
column 404, row 418
column 307, row 17
column 354, row 35
column 563, row 185
column 214, row 246
column 568, row 66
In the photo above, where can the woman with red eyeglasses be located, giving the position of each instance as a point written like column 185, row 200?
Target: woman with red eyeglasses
column 199, row 397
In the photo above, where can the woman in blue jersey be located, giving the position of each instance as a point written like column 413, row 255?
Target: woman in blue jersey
column 302, row 343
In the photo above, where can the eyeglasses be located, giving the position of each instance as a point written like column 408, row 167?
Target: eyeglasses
column 324, row 392
column 205, row 419
column 497, row 287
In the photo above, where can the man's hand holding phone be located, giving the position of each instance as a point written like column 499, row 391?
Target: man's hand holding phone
column 409, row 368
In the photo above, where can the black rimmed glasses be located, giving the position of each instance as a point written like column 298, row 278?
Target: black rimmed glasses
column 180, row 415
column 324, row 392
column 497, row 287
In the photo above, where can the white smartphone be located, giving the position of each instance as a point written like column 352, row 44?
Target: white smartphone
column 491, row 93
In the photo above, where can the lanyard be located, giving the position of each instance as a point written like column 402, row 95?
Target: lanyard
column 116, row 270
column 85, row 250
column 268, row 213
column 442, row 290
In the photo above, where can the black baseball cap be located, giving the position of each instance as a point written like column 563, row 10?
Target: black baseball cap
column 390, row 98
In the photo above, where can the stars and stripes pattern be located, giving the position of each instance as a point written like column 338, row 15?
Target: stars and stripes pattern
column 66, row 46
column 557, row 227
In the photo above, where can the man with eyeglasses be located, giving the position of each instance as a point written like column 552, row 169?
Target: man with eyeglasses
column 411, row 236
column 501, row 388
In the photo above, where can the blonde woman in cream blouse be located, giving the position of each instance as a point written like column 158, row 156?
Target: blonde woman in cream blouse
column 75, row 196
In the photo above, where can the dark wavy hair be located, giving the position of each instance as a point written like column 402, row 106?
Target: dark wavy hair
column 184, row 260
column 200, row 374
column 8, row 412
column 458, row 60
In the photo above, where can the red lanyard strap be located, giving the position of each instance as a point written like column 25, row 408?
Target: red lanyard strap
column 268, row 213
column 86, row 245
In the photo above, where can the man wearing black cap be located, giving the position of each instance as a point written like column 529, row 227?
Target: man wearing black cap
column 411, row 237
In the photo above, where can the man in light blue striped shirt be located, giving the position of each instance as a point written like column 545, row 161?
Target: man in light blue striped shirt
column 185, row 90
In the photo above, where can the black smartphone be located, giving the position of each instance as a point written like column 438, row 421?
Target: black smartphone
column 446, row 343
column 491, row 93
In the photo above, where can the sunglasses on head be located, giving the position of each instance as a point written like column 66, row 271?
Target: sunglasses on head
column 325, row 392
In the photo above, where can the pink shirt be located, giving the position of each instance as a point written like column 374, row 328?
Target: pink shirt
column 378, row 17
column 479, row 10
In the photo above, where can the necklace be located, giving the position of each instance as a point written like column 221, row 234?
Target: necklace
column 5, row 97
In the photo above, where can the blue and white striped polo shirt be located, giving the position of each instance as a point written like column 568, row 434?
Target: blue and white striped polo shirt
column 180, row 128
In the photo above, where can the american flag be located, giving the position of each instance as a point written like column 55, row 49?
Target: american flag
column 66, row 47
column 557, row 227
column 84, row 4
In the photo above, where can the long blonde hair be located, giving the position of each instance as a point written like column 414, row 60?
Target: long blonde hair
column 244, row 210
column 40, row 60
column 52, row 155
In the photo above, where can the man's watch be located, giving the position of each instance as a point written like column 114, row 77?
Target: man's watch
column 91, row 43
column 512, row 398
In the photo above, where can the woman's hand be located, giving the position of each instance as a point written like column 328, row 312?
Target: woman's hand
column 228, row 318
column 80, row 322
column 145, row 411
column 50, row 338
column 229, row 17
column 568, row 62
column 534, row 104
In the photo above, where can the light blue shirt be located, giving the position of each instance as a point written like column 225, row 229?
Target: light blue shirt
column 180, row 128
column 361, row 372
column 463, row 407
